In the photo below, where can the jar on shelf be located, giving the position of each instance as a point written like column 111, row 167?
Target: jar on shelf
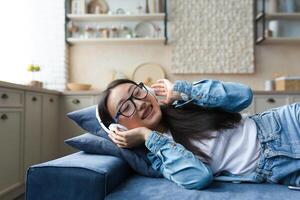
column 114, row 32
column 125, row 32
column 73, row 30
column 103, row 32
column 89, row 31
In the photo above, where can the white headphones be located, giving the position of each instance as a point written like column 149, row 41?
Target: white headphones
column 99, row 120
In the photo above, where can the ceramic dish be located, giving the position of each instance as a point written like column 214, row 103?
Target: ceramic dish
column 144, row 29
column 148, row 73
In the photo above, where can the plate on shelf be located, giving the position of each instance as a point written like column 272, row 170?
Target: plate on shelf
column 148, row 73
column 144, row 29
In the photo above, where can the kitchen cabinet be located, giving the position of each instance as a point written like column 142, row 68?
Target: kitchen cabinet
column 294, row 99
column 11, row 150
column 265, row 102
column 11, row 141
column 28, row 135
column 33, row 128
column 68, row 128
column 50, row 126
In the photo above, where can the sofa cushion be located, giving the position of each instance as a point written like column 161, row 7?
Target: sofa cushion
column 138, row 187
column 75, row 177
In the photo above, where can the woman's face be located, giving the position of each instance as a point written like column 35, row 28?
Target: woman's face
column 147, row 112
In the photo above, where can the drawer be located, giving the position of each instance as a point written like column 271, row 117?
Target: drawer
column 71, row 103
column 11, row 98
column 263, row 103
column 295, row 99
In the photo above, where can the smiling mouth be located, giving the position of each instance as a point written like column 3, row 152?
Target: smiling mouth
column 147, row 112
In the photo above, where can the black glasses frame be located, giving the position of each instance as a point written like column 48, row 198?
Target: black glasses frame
column 130, row 98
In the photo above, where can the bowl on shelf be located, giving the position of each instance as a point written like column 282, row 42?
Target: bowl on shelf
column 78, row 86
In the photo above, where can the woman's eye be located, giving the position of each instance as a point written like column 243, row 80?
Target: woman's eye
column 125, row 107
column 136, row 93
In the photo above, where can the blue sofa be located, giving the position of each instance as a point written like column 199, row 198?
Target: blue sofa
column 96, row 177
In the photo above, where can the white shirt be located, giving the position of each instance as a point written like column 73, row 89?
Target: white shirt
column 234, row 150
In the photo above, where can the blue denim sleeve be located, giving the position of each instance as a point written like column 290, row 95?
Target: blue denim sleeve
column 176, row 163
column 229, row 96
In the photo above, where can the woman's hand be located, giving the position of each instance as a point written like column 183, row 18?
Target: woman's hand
column 130, row 138
column 164, row 88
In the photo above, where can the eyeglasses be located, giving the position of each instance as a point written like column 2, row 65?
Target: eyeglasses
column 128, row 107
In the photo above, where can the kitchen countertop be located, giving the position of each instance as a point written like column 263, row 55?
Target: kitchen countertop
column 97, row 91
column 26, row 87
column 43, row 90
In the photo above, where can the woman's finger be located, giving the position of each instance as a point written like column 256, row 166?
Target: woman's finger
column 159, row 89
column 156, row 86
column 161, row 93
column 117, row 142
column 118, row 137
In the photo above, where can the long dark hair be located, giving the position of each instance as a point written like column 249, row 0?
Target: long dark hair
column 186, row 123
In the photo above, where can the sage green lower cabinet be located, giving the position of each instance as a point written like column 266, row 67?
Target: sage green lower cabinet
column 33, row 128
column 50, row 129
column 11, row 150
column 68, row 128
column 295, row 99
column 265, row 102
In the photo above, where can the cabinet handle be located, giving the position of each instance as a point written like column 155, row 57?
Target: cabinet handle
column 4, row 96
column 51, row 100
column 76, row 101
column 34, row 98
column 4, row 117
column 271, row 100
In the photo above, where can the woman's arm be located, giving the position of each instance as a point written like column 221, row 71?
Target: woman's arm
column 171, row 159
column 229, row 96
column 176, row 163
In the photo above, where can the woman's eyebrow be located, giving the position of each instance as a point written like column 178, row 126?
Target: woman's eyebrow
column 121, row 100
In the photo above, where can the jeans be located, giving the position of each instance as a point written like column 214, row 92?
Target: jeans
column 279, row 135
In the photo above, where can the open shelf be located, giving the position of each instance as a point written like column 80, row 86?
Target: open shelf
column 106, row 17
column 283, row 16
column 263, row 26
column 116, row 40
column 281, row 40
column 112, row 20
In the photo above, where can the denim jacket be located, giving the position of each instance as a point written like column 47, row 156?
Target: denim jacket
column 177, row 163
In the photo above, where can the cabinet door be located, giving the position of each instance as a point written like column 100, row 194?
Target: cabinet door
column 33, row 128
column 96, row 99
column 50, row 118
column 11, row 166
column 295, row 99
column 265, row 102
column 68, row 128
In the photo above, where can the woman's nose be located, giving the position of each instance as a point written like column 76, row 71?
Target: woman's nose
column 140, row 104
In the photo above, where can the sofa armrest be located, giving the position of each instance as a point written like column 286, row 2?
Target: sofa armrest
column 76, row 176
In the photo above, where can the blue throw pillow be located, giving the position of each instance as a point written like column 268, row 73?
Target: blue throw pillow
column 98, row 142
column 90, row 143
column 136, row 157
column 86, row 119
